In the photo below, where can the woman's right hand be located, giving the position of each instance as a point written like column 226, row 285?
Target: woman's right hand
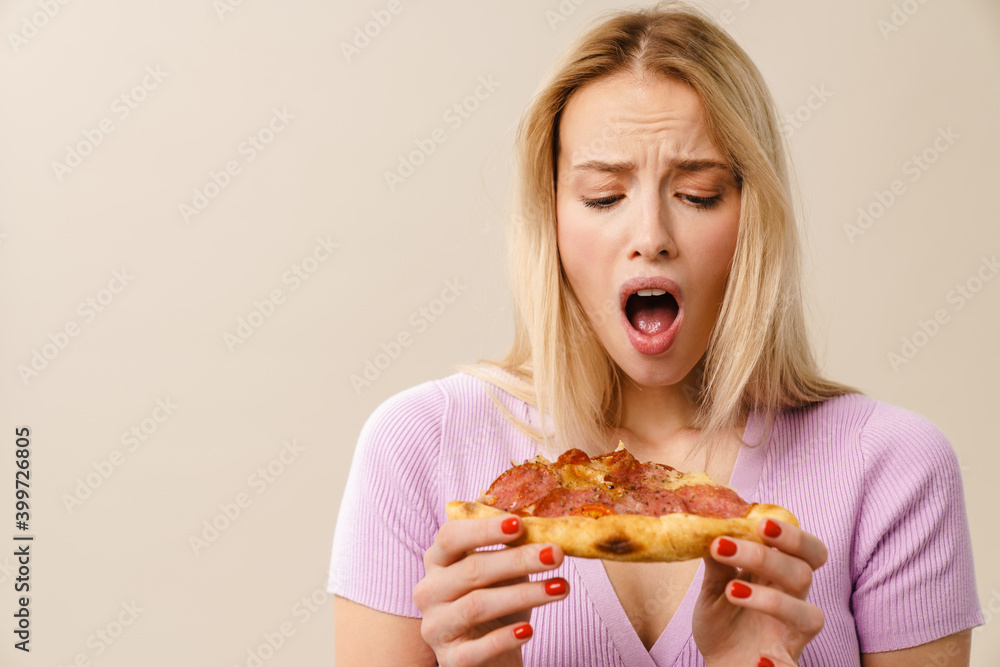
column 476, row 604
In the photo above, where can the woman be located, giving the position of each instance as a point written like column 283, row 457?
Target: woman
column 654, row 270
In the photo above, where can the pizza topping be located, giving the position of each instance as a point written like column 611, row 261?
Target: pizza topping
column 561, row 502
column 612, row 483
column 521, row 486
column 593, row 510
column 652, row 501
column 713, row 500
column 629, row 473
column 572, row 456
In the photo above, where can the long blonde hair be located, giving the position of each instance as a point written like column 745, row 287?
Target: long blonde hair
column 758, row 357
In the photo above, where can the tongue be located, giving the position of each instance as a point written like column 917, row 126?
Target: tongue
column 651, row 314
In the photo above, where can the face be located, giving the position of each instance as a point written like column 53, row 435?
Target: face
column 647, row 212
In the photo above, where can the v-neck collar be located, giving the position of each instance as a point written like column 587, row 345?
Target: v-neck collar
column 668, row 646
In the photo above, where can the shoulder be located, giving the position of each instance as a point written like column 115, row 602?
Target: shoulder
column 889, row 436
column 414, row 411
column 444, row 437
column 877, row 431
column 891, row 430
column 865, row 448
column 439, row 410
column 434, row 398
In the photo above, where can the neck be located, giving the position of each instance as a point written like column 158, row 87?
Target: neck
column 655, row 427
column 655, row 413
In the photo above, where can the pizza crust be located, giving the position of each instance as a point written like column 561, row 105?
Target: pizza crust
column 631, row 537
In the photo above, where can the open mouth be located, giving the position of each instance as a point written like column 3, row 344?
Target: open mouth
column 651, row 311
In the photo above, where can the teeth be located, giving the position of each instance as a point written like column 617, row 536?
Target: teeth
column 651, row 292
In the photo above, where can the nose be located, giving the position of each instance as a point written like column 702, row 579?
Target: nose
column 651, row 230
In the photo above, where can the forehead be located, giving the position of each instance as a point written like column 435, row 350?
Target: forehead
column 623, row 113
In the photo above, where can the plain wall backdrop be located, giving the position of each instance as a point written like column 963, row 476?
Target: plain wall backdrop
column 199, row 248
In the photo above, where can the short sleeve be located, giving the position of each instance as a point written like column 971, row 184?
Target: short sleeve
column 913, row 568
column 387, row 517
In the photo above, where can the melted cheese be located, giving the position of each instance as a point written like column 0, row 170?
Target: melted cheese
column 586, row 475
column 690, row 479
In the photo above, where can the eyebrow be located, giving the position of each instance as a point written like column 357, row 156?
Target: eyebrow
column 688, row 165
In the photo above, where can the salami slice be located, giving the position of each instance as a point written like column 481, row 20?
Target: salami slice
column 631, row 474
column 650, row 502
column 562, row 502
column 572, row 456
column 713, row 500
column 521, row 486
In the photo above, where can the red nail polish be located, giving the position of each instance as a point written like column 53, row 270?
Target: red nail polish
column 772, row 530
column 509, row 525
column 765, row 662
column 555, row 587
column 726, row 548
column 523, row 631
column 545, row 555
column 740, row 590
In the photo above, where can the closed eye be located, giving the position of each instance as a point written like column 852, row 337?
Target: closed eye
column 702, row 203
column 602, row 202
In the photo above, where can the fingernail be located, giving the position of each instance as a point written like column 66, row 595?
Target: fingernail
column 555, row 587
column 740, row 590
column 523, row 631
column 726, row 548
column 546, row 556
column 772, row 530
column 765, row 662
column 509, row 525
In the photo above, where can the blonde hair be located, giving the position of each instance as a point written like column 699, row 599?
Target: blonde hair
column 758, row 356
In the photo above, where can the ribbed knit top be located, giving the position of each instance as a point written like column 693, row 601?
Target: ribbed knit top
column 879, row 485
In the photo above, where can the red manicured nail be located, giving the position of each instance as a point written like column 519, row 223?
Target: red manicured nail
column 510, row 525
column 545, row 555
column 772, row 530
column 726, row 548
column 740, row 590
column 555, row 587
column 765, row 662
column 523, row 631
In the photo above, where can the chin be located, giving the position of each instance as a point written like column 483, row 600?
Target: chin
column 654, row 372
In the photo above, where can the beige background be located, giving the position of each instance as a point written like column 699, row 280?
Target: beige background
column 162, row 336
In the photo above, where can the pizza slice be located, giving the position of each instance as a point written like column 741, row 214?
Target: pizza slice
column 617, row 508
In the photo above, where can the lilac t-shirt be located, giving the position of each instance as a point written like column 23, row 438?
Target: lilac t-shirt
column 879, row 485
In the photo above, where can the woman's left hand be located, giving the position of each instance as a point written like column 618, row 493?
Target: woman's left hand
column 759, row 617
